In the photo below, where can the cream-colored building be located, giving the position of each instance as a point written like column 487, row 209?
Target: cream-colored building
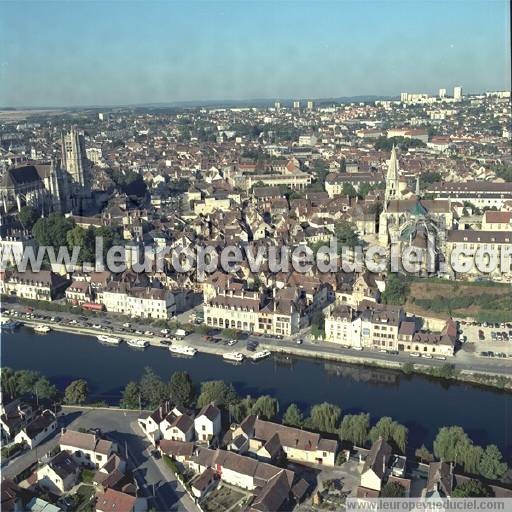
column 43, row 285
column 87, row 449
column 139, row 302
column 60, row 474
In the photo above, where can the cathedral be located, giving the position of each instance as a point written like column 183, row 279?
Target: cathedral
column 59, row 186
column 409, row 220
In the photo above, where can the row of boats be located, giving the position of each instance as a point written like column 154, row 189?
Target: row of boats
column 183, row 350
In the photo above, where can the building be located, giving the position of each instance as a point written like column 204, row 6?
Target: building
column 265, row 439
column 442, row 93
column 37, row 429
column 296, row 104
column 60, row 474
column 207, row 424
column 87, row 449
column 116, row 501
column 497, row 221
column 457, row 93
column 43, row 285
column 138, row 301
column 382, row 465
column 310, row 105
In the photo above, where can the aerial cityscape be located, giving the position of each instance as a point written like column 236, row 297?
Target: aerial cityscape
column 243, row 269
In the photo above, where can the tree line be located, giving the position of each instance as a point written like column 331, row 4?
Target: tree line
column 451, row 444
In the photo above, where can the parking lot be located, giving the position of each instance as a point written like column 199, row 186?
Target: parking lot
column 489, row 340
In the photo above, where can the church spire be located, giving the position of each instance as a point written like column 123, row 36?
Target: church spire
column 392, row 178
column 418, row 191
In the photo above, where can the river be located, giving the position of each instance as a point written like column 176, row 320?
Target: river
column 422, row 404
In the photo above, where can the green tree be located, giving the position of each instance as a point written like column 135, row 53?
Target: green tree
column 390, row 430
column 324, row 417
column 392, row 490
column 471, row 458
column 407, row 368
column 218, row 393
column 491, row 464
column 76, row 392
column 52, row 230
column 131, row 396
column 346, row 234
column 397, row 289
column 472, row 489
column 25, row 381
column 28, row 216
column 241, row 409
column 153, row 390
column 181, row 389
column 293, row 416
column 349, row 190
column 354, row 428
column 9, row 388
column 265, row 407
column 423, row 454
column 44, row 390
column 451, row 444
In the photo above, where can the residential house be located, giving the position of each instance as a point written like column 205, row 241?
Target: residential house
column 87, row 449
column 60, row 474
column 116, row 501
column 43, row 285
column 266, row 439
column 37, row 429
column 207, row 424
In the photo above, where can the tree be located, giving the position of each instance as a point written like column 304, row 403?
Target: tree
column 9, row 383
column 28, row 216
column 242, row 408
column 218, row 393
column 265, row 407
column 152, row 388
column 354, row 428
column 472, row 489
column 407, row 368
column 451, row 444
column 25, row 381
column 324, row 417
column 293, row 416
column 390, row 430
column 397, row 288
column 181, row 389
column 76, row 392
column 349, row 190
column 131, row 396
column 423, row 454
column 471, row 458
column 392, row 490
column 491, row 465
column 52, row 230
column 44, row 390
column 346, row 234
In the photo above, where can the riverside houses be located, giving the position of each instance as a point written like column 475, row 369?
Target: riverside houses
column 43, row 285
column 87, row 449
column 252, row 311
column 37, row 429
column 138, row 301
column 265, row 440
column 384, row 327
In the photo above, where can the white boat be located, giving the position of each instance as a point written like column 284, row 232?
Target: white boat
column 184, row 350
column 42, row 329
column 258, row 356
column 111, row 340
column 138, row 343
column 238, row 357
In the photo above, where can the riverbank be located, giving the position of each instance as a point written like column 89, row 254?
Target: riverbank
column 421, row 403
column 488, row 378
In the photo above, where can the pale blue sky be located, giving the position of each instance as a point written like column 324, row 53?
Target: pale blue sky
column 104, row 53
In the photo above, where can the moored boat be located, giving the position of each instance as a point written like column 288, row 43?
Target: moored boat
column 42, row 329
column 262, row 354
column 238, row 357
column 138, row 343
column 111, row 340
column 184, row 350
